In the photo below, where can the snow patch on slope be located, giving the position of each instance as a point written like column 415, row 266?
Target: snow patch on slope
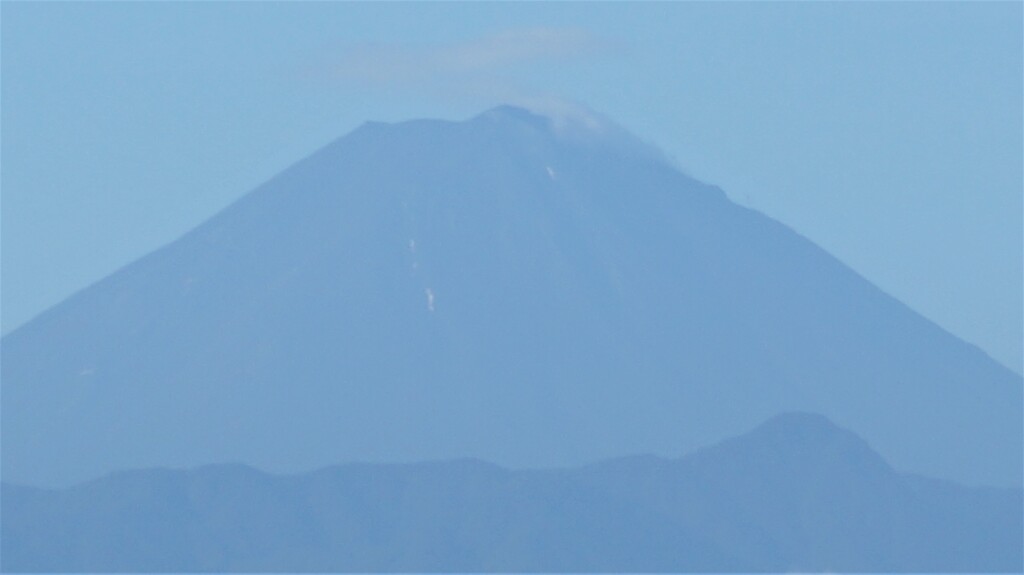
column 577, row 124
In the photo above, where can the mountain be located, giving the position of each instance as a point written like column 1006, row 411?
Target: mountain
column 797, row 493
column 522, row 289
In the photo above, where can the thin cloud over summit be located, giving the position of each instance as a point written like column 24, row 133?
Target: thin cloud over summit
column 403, row 64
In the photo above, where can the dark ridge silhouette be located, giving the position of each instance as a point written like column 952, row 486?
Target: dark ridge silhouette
column 526, row 290
column 795, row 494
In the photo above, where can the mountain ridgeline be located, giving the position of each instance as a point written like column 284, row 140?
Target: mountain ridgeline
column 530, row 291
column 795, row 494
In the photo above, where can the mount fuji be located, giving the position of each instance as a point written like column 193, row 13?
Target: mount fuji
column 529, row 290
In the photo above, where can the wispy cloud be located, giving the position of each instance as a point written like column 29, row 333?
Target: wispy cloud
column 388, row 65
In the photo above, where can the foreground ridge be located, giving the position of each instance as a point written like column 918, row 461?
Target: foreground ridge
column 796, row 493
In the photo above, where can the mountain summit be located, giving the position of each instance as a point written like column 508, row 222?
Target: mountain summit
column 524, row 289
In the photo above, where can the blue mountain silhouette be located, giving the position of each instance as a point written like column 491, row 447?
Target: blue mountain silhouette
column 527, row 290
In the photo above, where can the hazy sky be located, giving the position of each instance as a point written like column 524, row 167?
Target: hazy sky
column 888, row 133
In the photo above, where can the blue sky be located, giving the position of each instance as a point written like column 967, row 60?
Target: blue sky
column 888, row 133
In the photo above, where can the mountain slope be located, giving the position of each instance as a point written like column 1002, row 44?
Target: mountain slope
column 794, row 494
column 510, row 288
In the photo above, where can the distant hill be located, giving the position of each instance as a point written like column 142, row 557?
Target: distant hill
column 527, row 290
column 795, row 494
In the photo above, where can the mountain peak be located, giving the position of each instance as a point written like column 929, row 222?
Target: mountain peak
column 802, row 439
column 511, row 113
column 575, row 124
column 801, row 423
column 806, row 430
column 531, row 287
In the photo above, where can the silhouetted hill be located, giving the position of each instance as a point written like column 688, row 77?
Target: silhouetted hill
column 530, row 291
column 796, row 493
